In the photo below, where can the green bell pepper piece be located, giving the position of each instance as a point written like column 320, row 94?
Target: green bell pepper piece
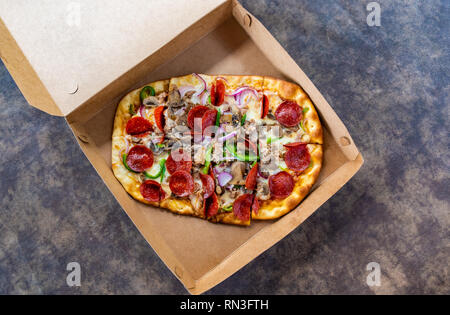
column 124, row 160
column 208, row 155
column 146, row 92
column 228, row 208
column 243, row 119
column 131, row 110
column 218, row 117
column 243, row 158
column 157, row 175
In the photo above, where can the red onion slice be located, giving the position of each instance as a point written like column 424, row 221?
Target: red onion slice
column 224, row 178
column 184, row 89
column 203, row 82
column 228, row 136
column 204, row 97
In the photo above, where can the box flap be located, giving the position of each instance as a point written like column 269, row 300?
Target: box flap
column 74, row 49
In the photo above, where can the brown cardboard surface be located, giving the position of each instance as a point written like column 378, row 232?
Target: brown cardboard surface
column 88, row 44
column 225, row 40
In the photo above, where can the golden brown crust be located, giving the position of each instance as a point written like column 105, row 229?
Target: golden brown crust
column 229, row 218
column 279, row 90
column 179, row 206
column 273, row 209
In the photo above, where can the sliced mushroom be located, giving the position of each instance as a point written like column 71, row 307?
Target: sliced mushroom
column 150, row 101
column 155, row 148
column 237, row 171
column 236, row 120
column 226, row 117
column 174, row 99
column 262, row 191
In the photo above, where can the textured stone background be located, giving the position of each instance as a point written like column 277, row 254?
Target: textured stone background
column 388, row 84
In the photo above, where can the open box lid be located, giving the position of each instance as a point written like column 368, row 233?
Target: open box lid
column 62, row 52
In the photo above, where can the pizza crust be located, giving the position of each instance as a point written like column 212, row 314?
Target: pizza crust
column 273, row 209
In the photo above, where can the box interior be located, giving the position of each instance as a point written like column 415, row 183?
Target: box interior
column 198, row 245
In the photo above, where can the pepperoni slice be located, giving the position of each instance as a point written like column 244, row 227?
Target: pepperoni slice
column 178, row 161
column 211, row 205
column 195, row 112
column 213, row 94
column 294, row 144
column 140, row 158
column 181, row 183
column 250, row 182
column 220, row 93
column 142, row 135
column 217, row 93
column 159, row 117
column 265, row 106
column 208, row 185
column 255, row 205
column 137, row 125
column 289, row 114
column 209, row 119
column 242, row 207
column 152, row 191
column 297, row 157
column 281, row 185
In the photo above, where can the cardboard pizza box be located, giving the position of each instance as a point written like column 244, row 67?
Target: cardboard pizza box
column 77, row 59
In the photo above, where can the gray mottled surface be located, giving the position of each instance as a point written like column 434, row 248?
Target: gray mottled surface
column 389, row 85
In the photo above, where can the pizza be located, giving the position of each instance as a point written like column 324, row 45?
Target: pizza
column 226, row 148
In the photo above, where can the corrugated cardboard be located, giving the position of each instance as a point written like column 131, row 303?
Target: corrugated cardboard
column 216, row 37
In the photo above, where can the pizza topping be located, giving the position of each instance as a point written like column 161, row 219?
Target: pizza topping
column 208, row 156
column 208, row 185
column 178, row 161
column 281, row 185
column 152, row 191
column 217, row 93
column 204, row 87
column 156, row 170
column 289, row 114
column 209, row 119
column 237, row 171
column 262, row 190
column 150, row 101
column 181, row 183
column 224, row 178
column 140, row 158
column 211, row 205
column 242, row 206
column 174, row 98
column 159, row 117
column 250, row 182
column 294, row 144
column 265, row 106
column 195, row 112
column 297, row 157
column 138, row 125
column 146, row 92
column 255, row 205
